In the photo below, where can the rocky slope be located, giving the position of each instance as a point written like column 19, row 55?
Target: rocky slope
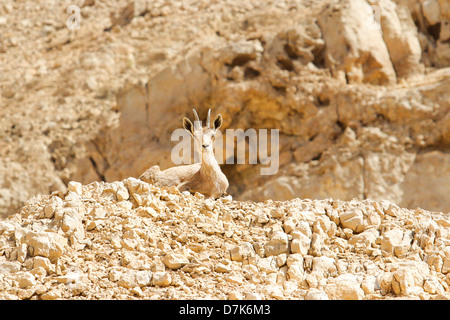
column 362, row 108
column 129, row 239
column 359, row 91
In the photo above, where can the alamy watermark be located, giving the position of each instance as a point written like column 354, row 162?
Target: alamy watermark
column 259, row 148
column 74, row 21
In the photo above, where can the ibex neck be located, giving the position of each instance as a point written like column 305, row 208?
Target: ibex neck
column 209, row 162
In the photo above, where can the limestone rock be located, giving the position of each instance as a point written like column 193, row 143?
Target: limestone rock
column 242, row 251
column 353, row 219
column 175, row 260
column 300, row 243
column 401, row 38
column 9, row 266
column 316, row 294
column 344, row 287
column 366, row 238
column 26, row 280
column 162, row 279
column 390, row 239
column 278, row 244
column 354, row 45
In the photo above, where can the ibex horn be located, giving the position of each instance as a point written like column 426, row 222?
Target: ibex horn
column 208, row 119
column 197, row 120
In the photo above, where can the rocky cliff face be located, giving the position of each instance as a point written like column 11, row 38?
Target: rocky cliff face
column 129, row 239
column 358, row 90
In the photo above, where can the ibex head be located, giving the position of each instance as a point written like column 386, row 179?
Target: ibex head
column 203, row 135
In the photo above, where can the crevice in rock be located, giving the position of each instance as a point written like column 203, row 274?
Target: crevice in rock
column 364, row 194
column 97, row 171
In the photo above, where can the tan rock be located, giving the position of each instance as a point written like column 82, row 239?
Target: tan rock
column 162, row 279
column 300, row 243
column 69, row 277
column 400, row 35
column 344, row 287
column 242, row 251
column 175, row 260
column 52, row 295
column 316, row 294
column 446, row 265
column 25, row 293
column 26, row 280
column 278, row 244
column 355, row 48
column 295, row 267
column 324, row 265
column 75, row 187
column 390, row 239
column 9, row 266
column 353, row 219
column 366, row 238
column 433, row 286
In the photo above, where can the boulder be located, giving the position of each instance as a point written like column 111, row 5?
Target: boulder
column 354, row 45
column 344, row 287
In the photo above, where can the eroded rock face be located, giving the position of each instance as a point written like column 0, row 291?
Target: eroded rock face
column 362, row 107
column 160, row 244
column 336, row 141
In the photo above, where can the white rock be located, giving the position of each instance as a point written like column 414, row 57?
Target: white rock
column 209, row 204
column 354, row 44
column 122, row 193
column 127, row 280
column 295, row 267
column 276, row 293
column 408, row 280
column 267, row 265
column 369, row 284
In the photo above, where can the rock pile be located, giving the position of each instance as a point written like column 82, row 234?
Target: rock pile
column 129, row 239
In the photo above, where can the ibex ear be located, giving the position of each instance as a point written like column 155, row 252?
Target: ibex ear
column 218, row 120
column 187, row 124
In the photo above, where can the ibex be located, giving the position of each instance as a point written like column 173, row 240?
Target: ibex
column 205, row 177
